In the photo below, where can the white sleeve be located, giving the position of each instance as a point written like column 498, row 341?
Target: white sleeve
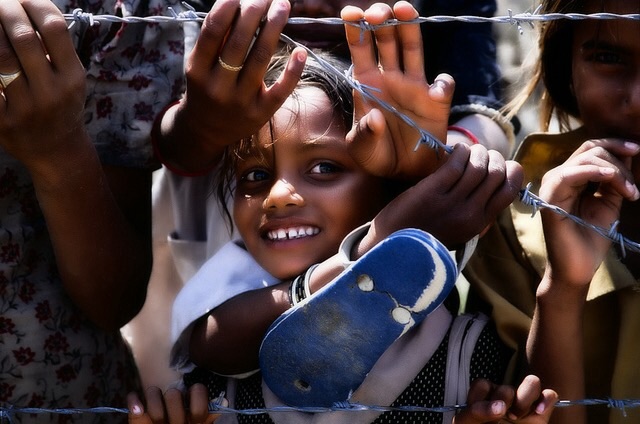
column 228, row 273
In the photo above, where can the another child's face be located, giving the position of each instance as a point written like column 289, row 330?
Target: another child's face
column 294, row 205
column 606, row 72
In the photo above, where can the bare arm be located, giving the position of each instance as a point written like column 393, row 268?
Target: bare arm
column 104, row 259
column 555, row 345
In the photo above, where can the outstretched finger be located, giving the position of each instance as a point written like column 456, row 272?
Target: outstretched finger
column 266, row 42
column 411, row 40
column 385, row 36
column 286, row 82
column 59, row 51
column 360, row 41
column 214, row 32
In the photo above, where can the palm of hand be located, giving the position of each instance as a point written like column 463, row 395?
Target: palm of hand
column 392, row 152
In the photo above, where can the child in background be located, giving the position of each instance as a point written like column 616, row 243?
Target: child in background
column 297, row 174
column 591, row 73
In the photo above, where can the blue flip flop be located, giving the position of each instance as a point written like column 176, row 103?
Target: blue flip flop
column 319, row 351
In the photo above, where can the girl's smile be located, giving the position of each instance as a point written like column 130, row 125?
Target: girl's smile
column 298, row 191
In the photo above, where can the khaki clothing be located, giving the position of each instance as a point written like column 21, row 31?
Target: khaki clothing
column 509, row 263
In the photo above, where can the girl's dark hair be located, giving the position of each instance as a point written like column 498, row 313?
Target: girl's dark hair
column 314, row 75
column 554, row 67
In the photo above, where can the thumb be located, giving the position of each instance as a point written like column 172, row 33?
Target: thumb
column 367, row 146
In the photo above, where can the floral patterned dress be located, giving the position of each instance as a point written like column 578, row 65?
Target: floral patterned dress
column 51, row 356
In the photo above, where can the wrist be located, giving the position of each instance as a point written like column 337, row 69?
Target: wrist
column 348, row 251
column 559, row 295
column 177, row 144
column 468, row 134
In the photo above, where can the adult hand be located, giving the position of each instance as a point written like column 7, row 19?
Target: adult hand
column 41, row 110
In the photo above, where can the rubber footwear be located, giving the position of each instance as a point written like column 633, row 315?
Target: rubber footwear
column 318, row 352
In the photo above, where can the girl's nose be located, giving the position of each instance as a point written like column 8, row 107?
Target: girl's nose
column 281, row 195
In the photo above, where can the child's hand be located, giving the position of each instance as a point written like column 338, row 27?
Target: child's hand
column 170, row 407
column 226, row 98
column 381, row 141
column 591, row 184
column 490, row 403
column 456, row 202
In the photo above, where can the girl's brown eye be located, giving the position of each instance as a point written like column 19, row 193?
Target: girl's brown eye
column 324, row 168
column 256, row 175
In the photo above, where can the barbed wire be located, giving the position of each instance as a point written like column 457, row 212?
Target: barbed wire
column 216, row 407
column 528, row 198
column 189, row 14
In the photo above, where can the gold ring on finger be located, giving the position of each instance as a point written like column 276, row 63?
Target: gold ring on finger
column 6, row 79
column 228, row 67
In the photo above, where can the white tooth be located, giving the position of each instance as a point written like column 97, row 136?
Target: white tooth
column 301, row 232
column 293, row 233
column 309, row 231
column 282, row 234
column 316, row 230
column 272, row 235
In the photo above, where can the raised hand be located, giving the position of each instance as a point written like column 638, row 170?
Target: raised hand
column 226, row 97
column 41, row 109
column 380, row 141
column 591, row 184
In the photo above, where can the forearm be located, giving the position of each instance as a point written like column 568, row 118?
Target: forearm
column 104, row 261
column 555, row 344
column 182, row 145
column 227, row 340
column 489, row 133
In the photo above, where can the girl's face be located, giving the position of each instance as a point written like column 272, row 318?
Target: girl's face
column 606, row 72
column 299, row 192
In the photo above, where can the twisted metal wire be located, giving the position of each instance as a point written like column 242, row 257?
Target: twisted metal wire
column 189, row 14
column 216, row 407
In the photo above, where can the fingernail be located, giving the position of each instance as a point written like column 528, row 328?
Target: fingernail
column 632, row 189
column 498, row 407
column 631, row 145
column 136, row 410
column 540, row 408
